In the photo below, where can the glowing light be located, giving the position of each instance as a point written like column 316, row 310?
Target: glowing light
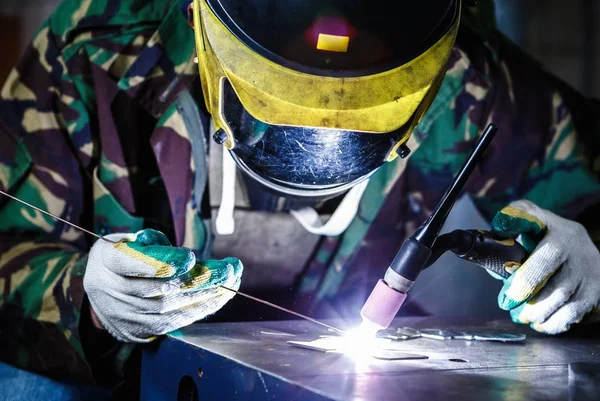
column 333, row 43
column 361, row 343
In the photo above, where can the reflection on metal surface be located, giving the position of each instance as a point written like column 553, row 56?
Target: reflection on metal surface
column 270, row 333
column 378, row 348
column 437, row 334
column 323, row 344
column 584, row 381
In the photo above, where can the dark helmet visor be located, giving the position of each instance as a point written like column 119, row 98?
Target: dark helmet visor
column 337, row 37
column 303, row 161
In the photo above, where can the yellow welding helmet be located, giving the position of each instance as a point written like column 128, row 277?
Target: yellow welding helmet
column 312, row 96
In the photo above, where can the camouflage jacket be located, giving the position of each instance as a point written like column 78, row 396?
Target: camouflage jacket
column 91, row 115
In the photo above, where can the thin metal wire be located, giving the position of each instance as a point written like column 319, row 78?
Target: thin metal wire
column 227, row 288
column 56, row 217
column 282, row 309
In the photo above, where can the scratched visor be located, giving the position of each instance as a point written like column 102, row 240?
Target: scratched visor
column 371, row 67
column 302, row 162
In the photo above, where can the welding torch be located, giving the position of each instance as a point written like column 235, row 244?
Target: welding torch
column 499, row 255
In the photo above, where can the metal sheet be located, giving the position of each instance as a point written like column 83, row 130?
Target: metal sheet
column 384, row 349
column 392, row 355
column 247, row 364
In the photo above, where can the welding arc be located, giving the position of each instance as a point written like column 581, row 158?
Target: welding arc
column 56, row 217
column 113, row 242
column 282, row 309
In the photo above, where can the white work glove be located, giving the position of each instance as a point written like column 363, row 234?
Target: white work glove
column 143, row 287
column 559, row 283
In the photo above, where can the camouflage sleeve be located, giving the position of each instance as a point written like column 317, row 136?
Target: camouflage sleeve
column 547, row 150
column 584, row 114
column 563, row 178
column 45, row 149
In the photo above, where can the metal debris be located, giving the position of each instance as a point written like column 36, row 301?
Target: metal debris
column 438, row 334
column 503, row 337
column 405, row 333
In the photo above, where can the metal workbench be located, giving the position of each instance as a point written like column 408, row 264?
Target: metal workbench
column 252, row 361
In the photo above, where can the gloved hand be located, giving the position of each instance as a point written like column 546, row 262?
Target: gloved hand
column 559, row 283
column 142, row 286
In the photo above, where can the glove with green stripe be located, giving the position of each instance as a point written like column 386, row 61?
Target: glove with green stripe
column 559, row 284
column 142, row 286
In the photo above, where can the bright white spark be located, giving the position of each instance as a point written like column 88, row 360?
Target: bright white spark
column 361, row 343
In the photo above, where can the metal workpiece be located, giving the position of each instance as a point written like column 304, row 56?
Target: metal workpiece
column 253, row 361
column 384, row 350
column 399, row 334
column 438, row 334
column 407, row 333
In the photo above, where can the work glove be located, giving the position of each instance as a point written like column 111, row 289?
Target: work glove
column 559, row 283
column 142, row 286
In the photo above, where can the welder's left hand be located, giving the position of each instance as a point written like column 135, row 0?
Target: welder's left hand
column 140, row 286
column 559, row 284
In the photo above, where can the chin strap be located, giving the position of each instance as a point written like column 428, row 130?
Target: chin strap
column 225, row 224
column 307, row 217
column 339, row 220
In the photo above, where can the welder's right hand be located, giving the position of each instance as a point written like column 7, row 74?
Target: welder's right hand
column 142, row 287
column 559, row 283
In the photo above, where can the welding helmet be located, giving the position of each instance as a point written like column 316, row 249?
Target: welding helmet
column 311, row 97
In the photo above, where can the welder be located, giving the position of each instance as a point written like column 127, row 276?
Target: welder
column 296, row 142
